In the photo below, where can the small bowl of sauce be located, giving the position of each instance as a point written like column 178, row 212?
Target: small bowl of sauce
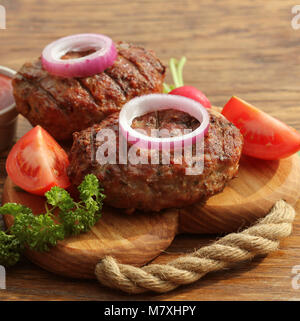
column 8, row 112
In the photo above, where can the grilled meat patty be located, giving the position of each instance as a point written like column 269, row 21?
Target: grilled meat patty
column 65, row 105
column 152, row 187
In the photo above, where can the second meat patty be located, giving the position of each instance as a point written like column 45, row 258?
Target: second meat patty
column 153, row 187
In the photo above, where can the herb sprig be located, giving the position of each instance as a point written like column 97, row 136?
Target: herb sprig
column 65, row 218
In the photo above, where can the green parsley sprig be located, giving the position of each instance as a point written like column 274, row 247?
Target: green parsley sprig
column 65, row 217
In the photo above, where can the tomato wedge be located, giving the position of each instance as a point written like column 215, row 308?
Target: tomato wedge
column 265, row 137
column 36, row 163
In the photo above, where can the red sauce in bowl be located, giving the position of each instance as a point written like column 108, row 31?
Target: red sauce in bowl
column 6, row 92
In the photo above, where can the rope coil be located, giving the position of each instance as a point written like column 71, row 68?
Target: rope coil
column 259, row 239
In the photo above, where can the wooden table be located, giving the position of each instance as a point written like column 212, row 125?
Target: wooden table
column 247, row 48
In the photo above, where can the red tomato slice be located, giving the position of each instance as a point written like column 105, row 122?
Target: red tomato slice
column 37, row 162
column 265, row 137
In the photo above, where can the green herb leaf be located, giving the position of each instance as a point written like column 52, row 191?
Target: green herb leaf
column 39, row 232
column 85, row 216
column 89, row 187
column 60, row 197
column 9, row 249
column 14, row 209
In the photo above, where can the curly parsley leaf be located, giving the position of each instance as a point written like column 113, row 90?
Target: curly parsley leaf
column 37, row 232
column 10, row 249
column 14, row 209
column 88, row 211
column 66, row 217
column 61, row 198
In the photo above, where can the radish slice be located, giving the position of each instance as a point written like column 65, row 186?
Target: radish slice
column 104, row 56
column 155, row 102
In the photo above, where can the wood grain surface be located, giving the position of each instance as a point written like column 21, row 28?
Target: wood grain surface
column 139, row 238
column 247, row 48
column 132, row 239
column 250, row 196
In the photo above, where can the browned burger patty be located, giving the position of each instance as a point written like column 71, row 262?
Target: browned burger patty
column 65, row 105
column 151, row 187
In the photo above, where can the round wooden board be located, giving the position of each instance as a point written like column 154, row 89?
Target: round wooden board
column 248, row 197
column 138, row 238
column 134, row 239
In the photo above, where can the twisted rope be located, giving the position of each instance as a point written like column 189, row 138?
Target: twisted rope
column 260, row 239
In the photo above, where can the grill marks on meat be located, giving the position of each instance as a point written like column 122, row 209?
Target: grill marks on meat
column 65, row 105
column 58, row 104
column 109, row 94
column 29, row 100
column 145, row 61
column 127, row 76
column 153, row 187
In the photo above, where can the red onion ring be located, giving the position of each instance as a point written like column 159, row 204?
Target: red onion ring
column 89, row 65
column 148, row 103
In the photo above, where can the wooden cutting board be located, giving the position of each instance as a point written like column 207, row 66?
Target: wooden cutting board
column 139, row 238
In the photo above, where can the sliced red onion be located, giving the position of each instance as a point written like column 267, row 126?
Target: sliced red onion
column 104, row 56
column 154, row 102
